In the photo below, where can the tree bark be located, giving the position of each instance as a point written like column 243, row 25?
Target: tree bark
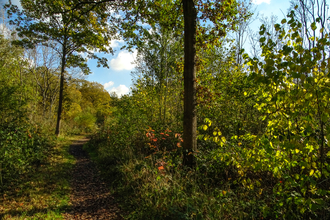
column 60, row 99
column 190, row 116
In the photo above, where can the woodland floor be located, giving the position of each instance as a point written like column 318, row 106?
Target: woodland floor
column 90, row 198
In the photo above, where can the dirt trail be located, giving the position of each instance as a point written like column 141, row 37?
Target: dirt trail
column 90, row 197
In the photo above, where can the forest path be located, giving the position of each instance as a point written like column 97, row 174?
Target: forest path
column 90, row 198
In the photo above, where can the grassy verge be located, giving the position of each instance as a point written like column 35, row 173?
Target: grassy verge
column 44, row 192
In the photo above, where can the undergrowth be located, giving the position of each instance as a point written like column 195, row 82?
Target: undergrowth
column 146, row 173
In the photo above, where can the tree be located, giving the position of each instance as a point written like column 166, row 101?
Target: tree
column 215, row 12
column 195, row 17
column 222, row 15
column 94, row 93
column 190, row 116
column 13, row 82
column 44, row 67
column 309, row 12
column 76, row 28
column 156, row 73
column 240, row 35
column 293, row 72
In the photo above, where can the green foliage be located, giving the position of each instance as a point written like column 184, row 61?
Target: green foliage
column 263, row 127
column 33, row 171
column 77, row 29
column 22, row 147
column 294, row 103
column 86, row 121
column 69, row 28
column 22, row 144
column 86, row 106
column 263, row 136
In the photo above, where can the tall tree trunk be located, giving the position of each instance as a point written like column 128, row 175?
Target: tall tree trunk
column 60, row 99
column 190, row 116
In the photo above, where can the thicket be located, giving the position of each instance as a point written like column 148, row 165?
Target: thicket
column 29, row 82
column 262, row 130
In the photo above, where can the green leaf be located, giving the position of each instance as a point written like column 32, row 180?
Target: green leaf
column 328, row 154
column 313, row 26
column 277, row 27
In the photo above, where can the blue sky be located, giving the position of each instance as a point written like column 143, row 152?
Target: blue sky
column 118, row 77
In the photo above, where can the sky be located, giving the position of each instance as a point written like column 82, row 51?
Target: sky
column 118, row 77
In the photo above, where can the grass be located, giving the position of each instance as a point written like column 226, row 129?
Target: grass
column 44, row 192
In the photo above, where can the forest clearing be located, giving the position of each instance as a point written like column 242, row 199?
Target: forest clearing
column 221, row 121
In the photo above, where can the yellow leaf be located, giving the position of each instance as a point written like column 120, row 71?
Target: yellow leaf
column 314, row 164
column 205, row 127
column 277, row 153
column 311, row 172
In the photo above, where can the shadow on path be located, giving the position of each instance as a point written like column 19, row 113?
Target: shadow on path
column 90, row 198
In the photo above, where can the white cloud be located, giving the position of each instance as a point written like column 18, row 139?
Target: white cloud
column 116, row 43
column 120, row 90
column 258, row 2
column 142, row 24
column 108, row 84
column 31, row 62
column 114, row 13
column 14, row 2
column 4, row 30
column 124, row 61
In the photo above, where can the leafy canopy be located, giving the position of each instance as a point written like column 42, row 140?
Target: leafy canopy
column 55, row 24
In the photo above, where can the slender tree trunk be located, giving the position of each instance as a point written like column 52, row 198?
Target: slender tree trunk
column 165, row 93
column 161, row 79
column 50, row 109
column 60, row 99
column 166, row 79
column 190, row 116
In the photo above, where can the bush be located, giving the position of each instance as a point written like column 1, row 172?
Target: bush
column 23, row 147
